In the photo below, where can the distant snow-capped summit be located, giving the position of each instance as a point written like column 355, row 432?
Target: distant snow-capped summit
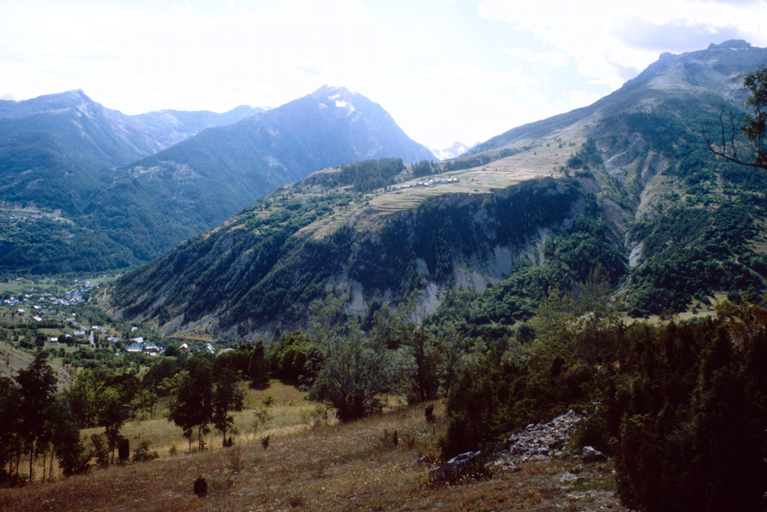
column 454, row 151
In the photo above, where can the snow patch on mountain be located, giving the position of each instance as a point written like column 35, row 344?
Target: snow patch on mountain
column 454, row 151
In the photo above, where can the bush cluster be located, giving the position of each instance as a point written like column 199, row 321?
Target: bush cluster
column 681, row 407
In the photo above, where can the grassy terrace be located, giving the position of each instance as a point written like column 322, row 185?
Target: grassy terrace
column 539, row 162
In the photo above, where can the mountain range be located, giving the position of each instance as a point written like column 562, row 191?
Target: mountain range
column 623, row 190
column 454, row 151
column 85, row 188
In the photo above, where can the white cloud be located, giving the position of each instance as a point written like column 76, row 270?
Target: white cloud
column 677, row 35
column 446, row 70
column 599, row 34
column 310, row 69
column 465, row 102
column 553, row 58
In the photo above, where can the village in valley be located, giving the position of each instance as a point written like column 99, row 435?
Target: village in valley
column 428, row 183
column 63, row 323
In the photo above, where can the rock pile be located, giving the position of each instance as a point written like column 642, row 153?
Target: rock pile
column 591, row 455
column 454, row 468
column 539, row 441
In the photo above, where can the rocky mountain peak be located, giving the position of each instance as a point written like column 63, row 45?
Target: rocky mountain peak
column 74, row 99
column 703, row 68
column 336, row 98
column 731, row 44
column 69, row 99
column 329, row 90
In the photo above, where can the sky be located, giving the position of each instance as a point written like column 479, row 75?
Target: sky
column 446, row 70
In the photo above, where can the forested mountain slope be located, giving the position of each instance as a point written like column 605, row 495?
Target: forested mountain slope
column 58, row 153
column 65, row 143
column 77, row 195
column 198, row 183
column 625, row 186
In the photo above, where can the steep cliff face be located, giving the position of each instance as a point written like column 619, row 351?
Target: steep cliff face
column 460, row 240
column 256, row 275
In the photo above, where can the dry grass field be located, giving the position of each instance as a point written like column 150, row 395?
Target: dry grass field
column 316, row 465
column 288, row 413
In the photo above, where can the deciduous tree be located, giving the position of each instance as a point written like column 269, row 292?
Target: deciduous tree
column 226, row 398
column 191, row 404
column 83, row 398
column 727, row 140
column 38, row 387
column 112, row 417
column 355, row 368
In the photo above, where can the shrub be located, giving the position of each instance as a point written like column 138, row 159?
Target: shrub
column 429, row 412
column 123, row 449
column 100, row 450
column 260, row 417
column 143, row 454
column 12, row 480
column 591, row 432
column 296, row 499
column 235, row 460
column 201, row 487
column 687, row 408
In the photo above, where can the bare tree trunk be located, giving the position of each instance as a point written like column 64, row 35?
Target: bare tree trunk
column 31, row 460
column 18, row 457
column 50, row 472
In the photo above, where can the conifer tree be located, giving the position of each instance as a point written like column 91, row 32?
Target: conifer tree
column 10, row 402
column 66, row 440
column 258, row 368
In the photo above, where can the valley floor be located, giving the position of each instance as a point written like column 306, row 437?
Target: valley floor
column 352, row 466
